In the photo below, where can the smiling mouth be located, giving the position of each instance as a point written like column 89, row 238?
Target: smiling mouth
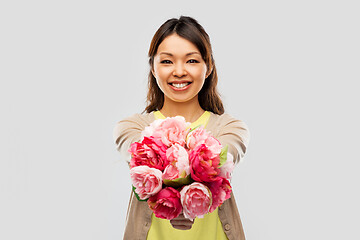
column 180, row 85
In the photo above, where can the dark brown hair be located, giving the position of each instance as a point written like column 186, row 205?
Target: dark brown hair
column 190, row 29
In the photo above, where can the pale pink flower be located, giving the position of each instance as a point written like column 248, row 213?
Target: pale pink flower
column 147, row 181
column 170, row 172
column 196, row 137
column 201, row 136
column 166, row 203
column 227, row 168
column 172, row 130
column 149, row 130
column 196, row 200
column 179, row 157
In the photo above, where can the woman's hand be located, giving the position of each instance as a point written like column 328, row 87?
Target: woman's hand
column 181, row 222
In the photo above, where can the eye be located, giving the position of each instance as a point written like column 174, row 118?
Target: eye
column 193, row 61
column 166, row 61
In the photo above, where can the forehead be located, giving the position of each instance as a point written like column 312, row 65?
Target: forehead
column 176, row 45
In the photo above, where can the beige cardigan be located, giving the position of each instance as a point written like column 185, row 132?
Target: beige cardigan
column 228, row 130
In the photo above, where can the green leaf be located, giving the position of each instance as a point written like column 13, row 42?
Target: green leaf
column 192, row 129
column 178, row 181
column 223, row 155
column 137, row 196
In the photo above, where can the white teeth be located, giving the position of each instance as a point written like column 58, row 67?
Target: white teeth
column 179, row 85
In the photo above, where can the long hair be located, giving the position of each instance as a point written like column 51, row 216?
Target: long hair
column 190, row 29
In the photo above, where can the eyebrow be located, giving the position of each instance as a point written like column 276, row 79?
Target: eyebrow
column 188, row 54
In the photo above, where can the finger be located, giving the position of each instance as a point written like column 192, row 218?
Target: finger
column 187, row 223
column 181, row 224
column 182, row 217
column 180, row 220
column 182, row 227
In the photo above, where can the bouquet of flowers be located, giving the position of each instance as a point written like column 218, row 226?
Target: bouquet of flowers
column 178, row 169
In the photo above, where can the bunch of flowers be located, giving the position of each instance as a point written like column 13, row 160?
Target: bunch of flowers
column 178, row 169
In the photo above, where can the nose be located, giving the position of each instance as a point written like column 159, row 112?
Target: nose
column 179, row 70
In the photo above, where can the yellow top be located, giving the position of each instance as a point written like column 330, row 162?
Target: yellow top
column 207, row 228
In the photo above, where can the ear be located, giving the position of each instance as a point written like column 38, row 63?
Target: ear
column 153, row 72
column 209, row 72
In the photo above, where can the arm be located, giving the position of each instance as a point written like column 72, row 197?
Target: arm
column 235, row 134
column 126, row 132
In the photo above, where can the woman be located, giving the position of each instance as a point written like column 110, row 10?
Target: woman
column 183, row 81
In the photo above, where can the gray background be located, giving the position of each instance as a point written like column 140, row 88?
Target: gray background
column 71, row 69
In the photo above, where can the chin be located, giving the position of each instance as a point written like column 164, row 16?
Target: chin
column 181, row 100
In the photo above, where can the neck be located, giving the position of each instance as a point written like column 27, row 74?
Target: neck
column 190, row 110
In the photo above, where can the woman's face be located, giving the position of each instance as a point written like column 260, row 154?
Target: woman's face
column 179, row 69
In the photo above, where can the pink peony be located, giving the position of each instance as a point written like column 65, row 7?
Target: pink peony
column 170, row 172
column 196, row 137
column 149, row 130
column 179, row 157
column 150, row 152
column 146, row 180
column 227, row 168
column 172, row 130
column 196, row 200
column 201, row 136
column 220, row 190
column 203, row 166
column 166, row 204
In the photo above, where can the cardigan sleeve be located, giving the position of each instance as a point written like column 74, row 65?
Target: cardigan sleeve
column 234, row 133
column 126, row 132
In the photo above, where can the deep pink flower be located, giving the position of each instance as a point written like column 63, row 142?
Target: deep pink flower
column 196, row 200
column 203, row 165
column 146, row 180
column 150, row 152
column 221, row 190
column 166, row 203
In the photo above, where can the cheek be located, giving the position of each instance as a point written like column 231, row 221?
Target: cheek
column 200, row 72
column 204, row 71
column 162, row 73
